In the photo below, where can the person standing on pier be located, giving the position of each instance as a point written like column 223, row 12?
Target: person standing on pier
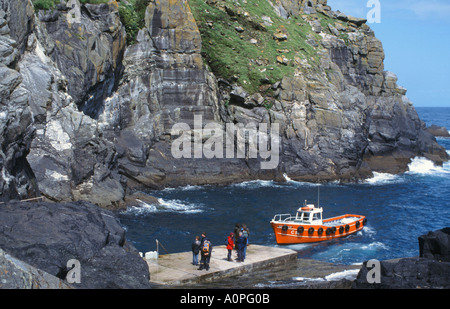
column 245, row 234
column 230, row 245
column 195, row 250
column 205, row 252
column 240, row 246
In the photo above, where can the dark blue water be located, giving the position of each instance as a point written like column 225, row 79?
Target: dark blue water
column 399, row 209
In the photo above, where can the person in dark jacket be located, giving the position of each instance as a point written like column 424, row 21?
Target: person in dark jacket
column 240, row 246
column 205, row 252
column 195, row 250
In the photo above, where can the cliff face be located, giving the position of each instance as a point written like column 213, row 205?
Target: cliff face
column 16, row 120
column 86, row 117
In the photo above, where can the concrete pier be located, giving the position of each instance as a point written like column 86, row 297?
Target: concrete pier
column 177, row 268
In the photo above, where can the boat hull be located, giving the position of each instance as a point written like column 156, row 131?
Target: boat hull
column 289, row 232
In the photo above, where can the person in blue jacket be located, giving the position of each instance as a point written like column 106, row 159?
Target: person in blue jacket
column 241, row 243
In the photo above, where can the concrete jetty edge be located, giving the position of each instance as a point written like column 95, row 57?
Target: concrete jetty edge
column 177, row 268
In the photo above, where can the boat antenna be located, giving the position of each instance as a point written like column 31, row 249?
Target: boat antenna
column 318, row 195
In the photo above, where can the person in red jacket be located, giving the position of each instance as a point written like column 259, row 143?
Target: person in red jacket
column 230, row 245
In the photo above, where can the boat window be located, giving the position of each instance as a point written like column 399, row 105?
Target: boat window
column 316, row 216
column 305, row 216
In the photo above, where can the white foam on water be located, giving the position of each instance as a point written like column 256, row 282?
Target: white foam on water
column 185, row 188
column 299, row 183
column 306, row 279
column 383, row 179
column 374, row 246
column 349, row 274
column 164, row 206
column 369, row 231
column 257, row 184
column 423, row 166
column 296, row 247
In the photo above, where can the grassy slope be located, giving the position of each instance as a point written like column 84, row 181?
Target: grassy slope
column 232, row 56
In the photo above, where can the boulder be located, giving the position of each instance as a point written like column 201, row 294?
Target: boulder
column 436, row 245
column 429, row 271
column 48, row 235
column 438, row 131
column 17, row 274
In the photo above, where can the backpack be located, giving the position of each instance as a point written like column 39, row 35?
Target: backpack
column 205, row 248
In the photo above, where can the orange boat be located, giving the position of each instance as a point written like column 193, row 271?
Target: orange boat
column 307, row 226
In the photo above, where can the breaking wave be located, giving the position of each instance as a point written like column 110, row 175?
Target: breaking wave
column 164, row 206
column 418, row 166
column 185, row 188
column 423, row 166
column 257, row 184
column 299, row 183
column 349, row 274
column 383, row 179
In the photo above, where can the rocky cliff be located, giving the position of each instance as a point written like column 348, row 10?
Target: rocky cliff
column 85, row 116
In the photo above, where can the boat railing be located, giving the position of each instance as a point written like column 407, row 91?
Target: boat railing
column 283, row 217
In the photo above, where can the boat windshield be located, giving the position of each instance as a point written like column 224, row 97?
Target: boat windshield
column 306, row 216
column 317, row 216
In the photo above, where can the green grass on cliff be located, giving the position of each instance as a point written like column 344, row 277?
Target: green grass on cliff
column 132, row 16
column 229, row 30
column 51, row 4
column 132, row 13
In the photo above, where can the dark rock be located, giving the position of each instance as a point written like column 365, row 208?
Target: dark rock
column 407, row 273
column 16, row 274
column 17, row 129
column 89, row 42
column 436, row 245
column 430, row 271
column 48, row 235
column 438, row 131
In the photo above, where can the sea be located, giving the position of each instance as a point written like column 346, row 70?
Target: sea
column 399, row 209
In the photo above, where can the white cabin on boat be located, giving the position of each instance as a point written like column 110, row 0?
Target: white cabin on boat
column 309, row 214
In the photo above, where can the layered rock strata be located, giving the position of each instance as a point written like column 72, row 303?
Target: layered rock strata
column 86, row 117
